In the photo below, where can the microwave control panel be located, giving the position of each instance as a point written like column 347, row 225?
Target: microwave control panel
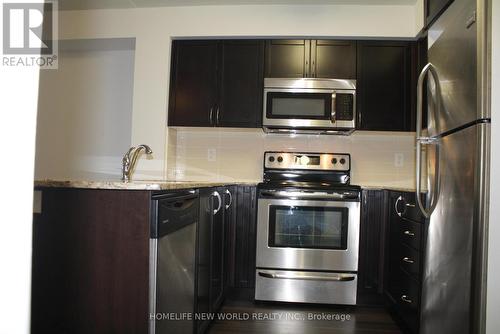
column 344, row 107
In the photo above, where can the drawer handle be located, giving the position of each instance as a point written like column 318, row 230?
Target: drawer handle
column 409, row 233
column 339, row 278
column 408, row 260
column 406, row 299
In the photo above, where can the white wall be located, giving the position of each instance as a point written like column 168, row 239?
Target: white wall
column 153, row 29
column 493, row 292
column 85, row 110
column 18, row 104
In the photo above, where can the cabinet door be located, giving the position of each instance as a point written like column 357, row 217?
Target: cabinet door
column 383, row 86
column 372, row 247
column 241, row 85
column 230, row 201
column 193, row 83
column 203, row 257
column 243, row 238
column 287, row 58
column 434, row 8
column 333, row 59
column 217, row 253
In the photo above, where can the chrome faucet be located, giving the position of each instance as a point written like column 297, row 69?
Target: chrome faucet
column 130, row 159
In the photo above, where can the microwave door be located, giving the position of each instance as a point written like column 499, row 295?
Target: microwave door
column 298, row 105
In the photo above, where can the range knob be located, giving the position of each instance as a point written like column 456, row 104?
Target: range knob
column 271, row 159
column 280, row 159
column 342, row 161
column 334, row 161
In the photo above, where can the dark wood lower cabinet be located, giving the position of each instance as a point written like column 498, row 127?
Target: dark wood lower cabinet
column 91, row 262
column 241, row 240
column 405, row 257
column 91, row 256
column 372, row 247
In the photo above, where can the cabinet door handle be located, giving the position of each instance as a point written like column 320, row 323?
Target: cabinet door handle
column 334, row 108
column 406, row 299
column 230, row 199
column 409, row 233
column 407, row 260
column 210, row 117
column 400, row 199
column 217, row 112
column 216, row 194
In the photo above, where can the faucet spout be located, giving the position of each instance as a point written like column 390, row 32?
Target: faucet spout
column 130, row 159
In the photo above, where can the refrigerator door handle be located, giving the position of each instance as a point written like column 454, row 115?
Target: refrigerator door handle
column 429, row 68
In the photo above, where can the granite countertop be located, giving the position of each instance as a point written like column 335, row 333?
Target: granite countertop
column 172, row 185
column 134, row 184
column 389, row 187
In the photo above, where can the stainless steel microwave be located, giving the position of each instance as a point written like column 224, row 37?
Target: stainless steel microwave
column 309, row 105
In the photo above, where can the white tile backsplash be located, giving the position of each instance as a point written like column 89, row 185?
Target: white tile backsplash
column 239, row 153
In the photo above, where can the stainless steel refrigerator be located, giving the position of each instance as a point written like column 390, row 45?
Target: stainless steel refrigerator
column 452, row 158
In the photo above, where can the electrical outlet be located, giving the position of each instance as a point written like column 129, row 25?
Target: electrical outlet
column 211, row 154
column 399, row 160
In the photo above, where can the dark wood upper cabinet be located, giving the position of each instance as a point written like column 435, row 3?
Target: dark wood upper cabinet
column 310, row 59
column 193, row 84
column 242, row 75
column 287, row 58
column 434, row 9
column 216, row 83
column 333, row 59
column 384, row 84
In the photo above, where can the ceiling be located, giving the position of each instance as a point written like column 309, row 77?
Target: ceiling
column 110, row 4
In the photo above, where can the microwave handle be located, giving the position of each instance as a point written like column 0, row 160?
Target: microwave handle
column 334, row 108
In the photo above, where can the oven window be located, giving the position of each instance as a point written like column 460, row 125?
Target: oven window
column 299, row 105
column 308, row 227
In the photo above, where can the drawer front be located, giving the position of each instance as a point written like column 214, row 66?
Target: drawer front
column 409, row 302
column 411, row 233
column 405, row 206
column 405, row 292
column 410, row 261
column 306, row 287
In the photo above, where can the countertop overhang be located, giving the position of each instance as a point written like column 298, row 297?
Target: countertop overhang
column 171, row 185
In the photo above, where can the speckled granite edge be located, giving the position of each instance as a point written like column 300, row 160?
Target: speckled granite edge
column 133, row 185
column 393, row 188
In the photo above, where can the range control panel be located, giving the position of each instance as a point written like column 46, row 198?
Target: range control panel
column 307, row 161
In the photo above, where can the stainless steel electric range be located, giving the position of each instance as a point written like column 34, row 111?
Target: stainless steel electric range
column 307, row 229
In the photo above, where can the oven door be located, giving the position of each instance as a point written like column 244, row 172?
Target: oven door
column 308, row 108
column 308, row 234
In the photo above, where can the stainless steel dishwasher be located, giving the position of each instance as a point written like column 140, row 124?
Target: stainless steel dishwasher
column 172, row 262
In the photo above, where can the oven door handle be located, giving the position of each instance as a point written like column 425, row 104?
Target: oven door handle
column 337, row 278
column 298, row 194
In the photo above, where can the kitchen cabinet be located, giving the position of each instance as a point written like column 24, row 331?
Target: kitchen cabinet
column 241, row 241
column 384, row 85
column 310, row 59
column 241, row 82
column 434, row 9
column 90, row 261
column 216, row 83
column 372, row 239
column 210, row 253
column 405, row 253
column 193, row 84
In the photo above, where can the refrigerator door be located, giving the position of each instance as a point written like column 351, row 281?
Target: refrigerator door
column 447, row 277
column 452, row 51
